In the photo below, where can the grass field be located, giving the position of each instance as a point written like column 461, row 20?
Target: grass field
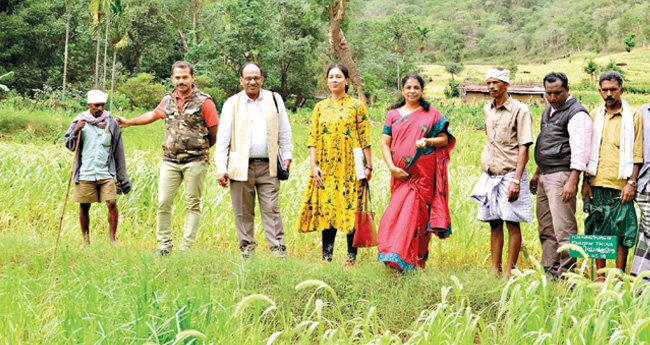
column 103, row 295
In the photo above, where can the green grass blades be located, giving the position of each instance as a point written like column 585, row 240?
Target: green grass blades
column 103, row 295
column 126, row 296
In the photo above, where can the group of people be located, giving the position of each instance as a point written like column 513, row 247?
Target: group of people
column 606, row 146
column 253, row 143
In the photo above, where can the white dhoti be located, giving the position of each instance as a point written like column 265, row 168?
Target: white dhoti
column 491, row 195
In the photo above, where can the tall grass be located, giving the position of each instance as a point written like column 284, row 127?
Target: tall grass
column 33, row 178
column 109, row 296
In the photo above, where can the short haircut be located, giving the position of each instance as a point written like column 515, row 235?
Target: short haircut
column 555, row 76
column 611, row 75
column 182, row 64
column 241, row 70
column 343, row 69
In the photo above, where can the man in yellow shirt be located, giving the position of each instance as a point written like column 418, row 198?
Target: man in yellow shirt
column 616, row 155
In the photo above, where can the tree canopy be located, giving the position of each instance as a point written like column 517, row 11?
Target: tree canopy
column 291, row 39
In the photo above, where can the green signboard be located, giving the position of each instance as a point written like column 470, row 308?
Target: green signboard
column 596, row 247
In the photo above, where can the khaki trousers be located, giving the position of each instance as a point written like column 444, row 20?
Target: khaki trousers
column 242, row 194
column 556, row 220
column 172, row 175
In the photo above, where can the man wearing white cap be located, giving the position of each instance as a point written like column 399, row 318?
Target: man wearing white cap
column 99, row 162
column 502, row 191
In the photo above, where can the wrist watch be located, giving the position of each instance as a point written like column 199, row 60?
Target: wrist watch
column 515, row 181
column 633, row 183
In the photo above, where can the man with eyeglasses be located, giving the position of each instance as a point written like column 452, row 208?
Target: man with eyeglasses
column 255, row 128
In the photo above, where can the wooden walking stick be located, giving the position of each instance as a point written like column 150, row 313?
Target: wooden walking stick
column 67, row 192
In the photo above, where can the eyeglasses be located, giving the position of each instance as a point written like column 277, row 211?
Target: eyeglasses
column 249, row 79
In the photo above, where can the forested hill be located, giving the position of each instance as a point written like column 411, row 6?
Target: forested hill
column 290, row 39
column 529, row 29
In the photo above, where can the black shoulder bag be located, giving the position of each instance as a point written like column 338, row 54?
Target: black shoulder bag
column 283, row 174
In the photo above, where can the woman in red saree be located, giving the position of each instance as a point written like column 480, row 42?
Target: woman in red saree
column 416, row 144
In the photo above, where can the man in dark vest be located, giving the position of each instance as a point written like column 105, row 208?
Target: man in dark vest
column 191, row 122
column 562, row 153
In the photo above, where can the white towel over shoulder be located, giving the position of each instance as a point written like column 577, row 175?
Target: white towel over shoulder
column 626, row 148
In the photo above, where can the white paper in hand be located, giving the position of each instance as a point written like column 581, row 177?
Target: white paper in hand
column 358, row 163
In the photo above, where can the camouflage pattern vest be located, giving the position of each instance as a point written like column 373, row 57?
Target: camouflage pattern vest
column 186, row 135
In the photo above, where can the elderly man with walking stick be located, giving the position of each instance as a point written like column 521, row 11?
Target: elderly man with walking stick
column 96, row 138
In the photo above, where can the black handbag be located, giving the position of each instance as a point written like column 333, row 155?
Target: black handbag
column 283, row 174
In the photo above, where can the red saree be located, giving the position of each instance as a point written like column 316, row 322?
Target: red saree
column 419, row 206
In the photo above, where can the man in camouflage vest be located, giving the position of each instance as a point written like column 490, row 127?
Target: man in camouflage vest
column 191, row 122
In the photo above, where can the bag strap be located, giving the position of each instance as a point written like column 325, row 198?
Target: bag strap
column 277, row 110
column 366, row 196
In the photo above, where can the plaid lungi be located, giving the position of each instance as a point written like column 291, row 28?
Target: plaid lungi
column 641, row 261
column 491, row 195
column 644, row 206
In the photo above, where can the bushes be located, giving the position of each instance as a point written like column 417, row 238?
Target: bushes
column 26, row 125
column 120, row 102
column 452, row 90
column 638, row 89
column 3, row 88
column 142, row 91
column 206, row 85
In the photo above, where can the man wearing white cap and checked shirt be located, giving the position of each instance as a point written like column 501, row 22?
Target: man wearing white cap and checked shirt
column 502, row 192
column 100, row 161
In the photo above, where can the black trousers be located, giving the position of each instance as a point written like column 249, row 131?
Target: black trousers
column 328, row 245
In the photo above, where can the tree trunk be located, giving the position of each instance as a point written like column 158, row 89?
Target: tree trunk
column 340, row 44
column 65, row 54
column 110, row 107
column 179, row 29
column 99, row 40
column 108, row 19
column 136, row 52
column 195, row 34
column 197, row 5
column 137, row 59
column 284, row 75
column 185, row 47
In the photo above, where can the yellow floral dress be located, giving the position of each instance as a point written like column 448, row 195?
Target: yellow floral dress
column 336, row 128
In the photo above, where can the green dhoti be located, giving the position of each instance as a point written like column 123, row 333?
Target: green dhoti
column 608, row 217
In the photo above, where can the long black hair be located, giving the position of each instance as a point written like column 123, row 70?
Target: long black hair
column 343, row 69
column 425, row 105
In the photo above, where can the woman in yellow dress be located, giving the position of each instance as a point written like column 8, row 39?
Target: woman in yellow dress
column 333, row 194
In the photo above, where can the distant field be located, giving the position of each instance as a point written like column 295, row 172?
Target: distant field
column 637, row 70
